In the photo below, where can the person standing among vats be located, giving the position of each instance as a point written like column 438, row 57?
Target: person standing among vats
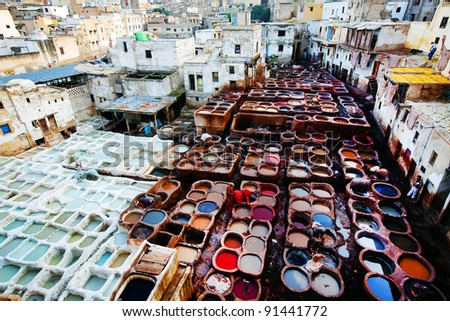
column 412, row 194
column 433, row 49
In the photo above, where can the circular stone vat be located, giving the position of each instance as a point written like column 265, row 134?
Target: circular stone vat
column 405, row 242
column 366, row 223
column 262, row 229
column 187, row 254
column 377, row 262
column 201, row 222
column 203, row 185
column 219, row 283
column 242, row 211
column 249, row 170
column 370, row 241
column 321, row 206
column 416, row 266
column 154, row 217
column 323, row 219
column 299, row 220
column 348, row 153
column 269, row 189
column 196, row 195
column 395, row 224
column 295, row 256
column 327, row 283
column 353, row 172
column 131, row 217
column 181, row 218
column 417, row 290
column 208, row 296
column 250, row 264
column 301, row 205
column 246, row 290
column 321, row 171
column 322, row 190
column 206, row 207
column 300, row 191
column 239, row 227
column 385, row 190
column 187, row 207
column 267, row 200
column 254, row 244
column 232, row 240
column 298, row 238
column 295, row 279
column 362, row 207
column 141, row 232
column 381, row 287
column 225, row 260
column 262, row 213
column 391, row 209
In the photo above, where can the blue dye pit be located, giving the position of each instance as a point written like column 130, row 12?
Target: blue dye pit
column 386, row 190
column 154, row 217
column 381, row 288
column 323, row 219
column 207, row 207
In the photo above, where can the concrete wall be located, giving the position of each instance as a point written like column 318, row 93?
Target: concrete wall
column 27, row 60
column 392, row 37
column 334, row 10
column 25, row 107
column 7, row 26
column 167, row 54
column 397, row 9
column 248, row 37
column 273, row 39
column 69, row 52
column 151, row 87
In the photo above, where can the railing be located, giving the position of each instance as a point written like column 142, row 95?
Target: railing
column 77, row 91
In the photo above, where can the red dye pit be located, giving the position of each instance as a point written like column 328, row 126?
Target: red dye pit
column 262, row 213
column 233, row 242
column 227, row 260
column 245, row 290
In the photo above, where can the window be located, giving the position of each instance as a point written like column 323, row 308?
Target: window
column 436, row 40
column 5, row 129
column 233, row 85
column 398, row 9
column 215, row 76
column 281, row 33
column 444, row 22
column 405, row 115
column 1, row 105
column 148, row 54
column 2, row 36
column 199, row 83
column 280, row 48
column 61, row 50
column 343, row 8
column 433, row 157
column 125, row 48
column 8, row 26
column 311, row 8
column 191, row 82
column 28, row 100
column 231, row 70
column 237, row 49
column 416, row 135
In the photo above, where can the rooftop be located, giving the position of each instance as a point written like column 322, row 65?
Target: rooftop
column 99, row 69
column 44, row 75
column 417, row 76
column 436, row 114
column 139, row 105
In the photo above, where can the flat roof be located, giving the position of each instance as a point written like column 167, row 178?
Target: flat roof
column 44, row 75
column 435, row 113
column 417, row 76
column 139, row 105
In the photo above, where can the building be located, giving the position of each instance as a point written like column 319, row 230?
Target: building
column 334, row 10
column 310, row 10
column 206, row 40
column 172, row 31
column 231, row 66
column 358, row 10
column 413, row 114
column 7, row 26
column 397, row 9
column 422, row 10
column 281, row 10
column 32, row 115
column 154, row 55
column 280, row 41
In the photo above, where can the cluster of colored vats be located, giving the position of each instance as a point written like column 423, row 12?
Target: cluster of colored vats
column 312, row 264
column 239, row 261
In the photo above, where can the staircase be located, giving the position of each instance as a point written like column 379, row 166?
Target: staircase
column 53, row 138
column 373, row 86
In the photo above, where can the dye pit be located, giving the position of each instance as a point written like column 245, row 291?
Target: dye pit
column 67, row 239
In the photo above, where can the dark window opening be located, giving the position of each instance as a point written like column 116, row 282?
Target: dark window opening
column 61, row 50
column 398, row 9
column 148, row 54
column 215, row 76
column 125, row 47
column 233, row 85
column 436, row 40
column 237, row 49
column 405, row 115
column 231, row 70
column 281, row 33
column 444, row 22
column 311, row 8
column 433, row 157
column 280, row 48
column 416, row 135
column 191, row 82
column 28, row 100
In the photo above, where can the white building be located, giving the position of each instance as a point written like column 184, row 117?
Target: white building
column 7, row 26
column 230, row 67
column 422, row 10
column 397, row 9
column 366, row 10
column 280, row 41
column 334, row 10
column 31, row 115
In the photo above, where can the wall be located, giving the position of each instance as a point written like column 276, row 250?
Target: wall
column 392, row 37
column 27, row 60
column 70, row 49
column 248, row 37
column 397, row 9
column 7, row 27
column 151, row 87
column 81, row 102
column 274, row 40
column 334, row 10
